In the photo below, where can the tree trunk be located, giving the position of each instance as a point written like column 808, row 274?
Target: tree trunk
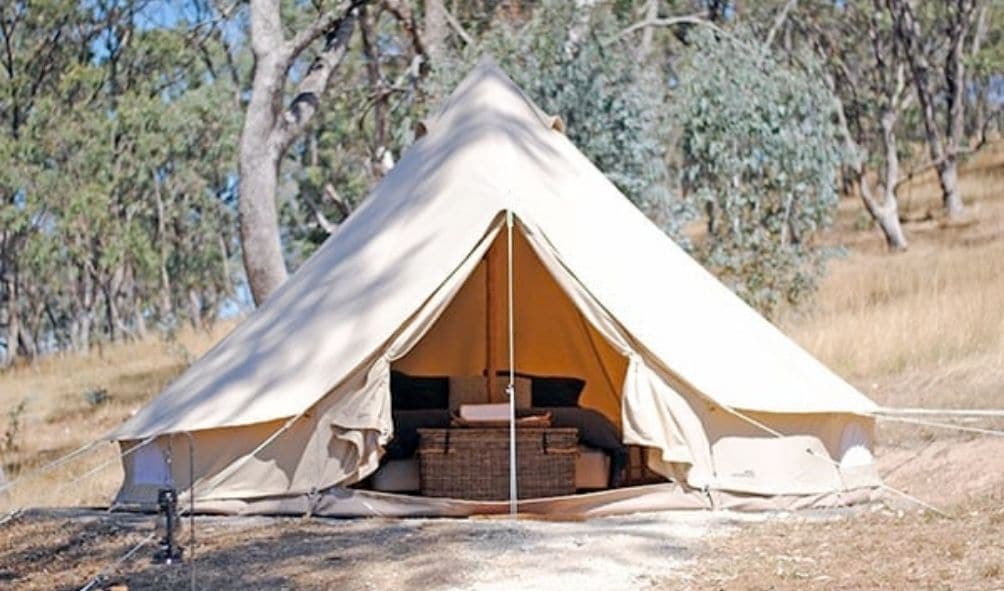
column 979, row 89
column 435, row 31
column 12, row 318
column 948, row 178
column 268, row 131
column 377, row 89
column 166, row 307
column 886, row 215
column 943, row 147
column 195, row 309
column 259, row 158
column 28, row 343
column 647, row 34
column 955, row 84
column 84, row 319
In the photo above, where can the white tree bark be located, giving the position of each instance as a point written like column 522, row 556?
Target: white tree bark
column 269, row 130
column 435, row 29
column 882, row 79
column 944, row 146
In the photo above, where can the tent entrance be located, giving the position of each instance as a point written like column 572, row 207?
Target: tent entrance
column 551, row 339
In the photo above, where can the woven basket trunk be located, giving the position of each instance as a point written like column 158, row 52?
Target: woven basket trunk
column 473, row 463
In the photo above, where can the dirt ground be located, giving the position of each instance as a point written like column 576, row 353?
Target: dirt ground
column 894, row 546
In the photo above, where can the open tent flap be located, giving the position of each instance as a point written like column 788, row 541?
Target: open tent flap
column 692, row 439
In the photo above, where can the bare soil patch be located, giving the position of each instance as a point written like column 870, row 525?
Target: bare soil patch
column 894, row 546
column 49, row 550
column 879, row 550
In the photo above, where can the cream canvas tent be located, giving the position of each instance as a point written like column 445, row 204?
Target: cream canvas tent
column 294, row 406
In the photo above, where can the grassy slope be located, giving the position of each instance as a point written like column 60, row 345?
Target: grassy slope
column 921, row 328
column 58, row 418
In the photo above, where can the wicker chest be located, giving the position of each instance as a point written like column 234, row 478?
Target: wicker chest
column 473, row 463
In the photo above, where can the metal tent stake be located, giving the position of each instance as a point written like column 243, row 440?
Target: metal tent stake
column 170, row 552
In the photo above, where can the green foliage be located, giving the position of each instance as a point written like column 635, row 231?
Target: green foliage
column 612, row 106
column 761, row 157
column 118, row 144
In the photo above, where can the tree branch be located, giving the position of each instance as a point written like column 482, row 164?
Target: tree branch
column 402, row 12
column 693, row 19
column 934, row 163
column 308, row 96
column 332, row 194
column 324, row 24
column 457, row 27
column 778, row 21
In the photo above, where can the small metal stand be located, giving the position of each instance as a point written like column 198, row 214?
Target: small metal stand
column 170, row 552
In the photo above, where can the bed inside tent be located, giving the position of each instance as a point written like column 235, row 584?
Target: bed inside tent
column 564, row 368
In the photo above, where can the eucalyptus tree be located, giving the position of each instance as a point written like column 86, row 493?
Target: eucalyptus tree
column 760, row 158
column 864, row 65
column 116, row 185
column 935, row 39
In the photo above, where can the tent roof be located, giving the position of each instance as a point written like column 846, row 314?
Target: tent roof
column 489, row 149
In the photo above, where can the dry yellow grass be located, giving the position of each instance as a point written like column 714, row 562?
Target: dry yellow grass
column 58, row 418
column 877, row 314
column 933, row 307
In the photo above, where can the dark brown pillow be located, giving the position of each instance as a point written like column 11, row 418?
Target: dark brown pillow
column 556, row 390
column 409, row 392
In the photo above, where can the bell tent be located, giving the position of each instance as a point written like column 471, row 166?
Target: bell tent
column 295, row 410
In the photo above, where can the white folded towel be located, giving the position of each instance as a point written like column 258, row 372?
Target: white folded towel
column 485, row 412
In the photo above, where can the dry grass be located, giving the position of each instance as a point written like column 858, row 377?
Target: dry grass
column 935, row 306
column 58, row 417
column 879, row 314
column 887, row 550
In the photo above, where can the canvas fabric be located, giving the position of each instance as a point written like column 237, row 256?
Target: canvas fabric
column 668, row 352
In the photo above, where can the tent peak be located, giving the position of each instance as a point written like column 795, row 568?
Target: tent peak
column 488, row 91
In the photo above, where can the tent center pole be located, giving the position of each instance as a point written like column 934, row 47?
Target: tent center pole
column 510, row 387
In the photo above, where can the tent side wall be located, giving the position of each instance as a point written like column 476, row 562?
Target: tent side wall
column 315, row 451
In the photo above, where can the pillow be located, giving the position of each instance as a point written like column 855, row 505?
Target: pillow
column 595, row 430
column 418, row 392
column 556, row 391
column 467, row 390
column 524, row 389
column 474, row 390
